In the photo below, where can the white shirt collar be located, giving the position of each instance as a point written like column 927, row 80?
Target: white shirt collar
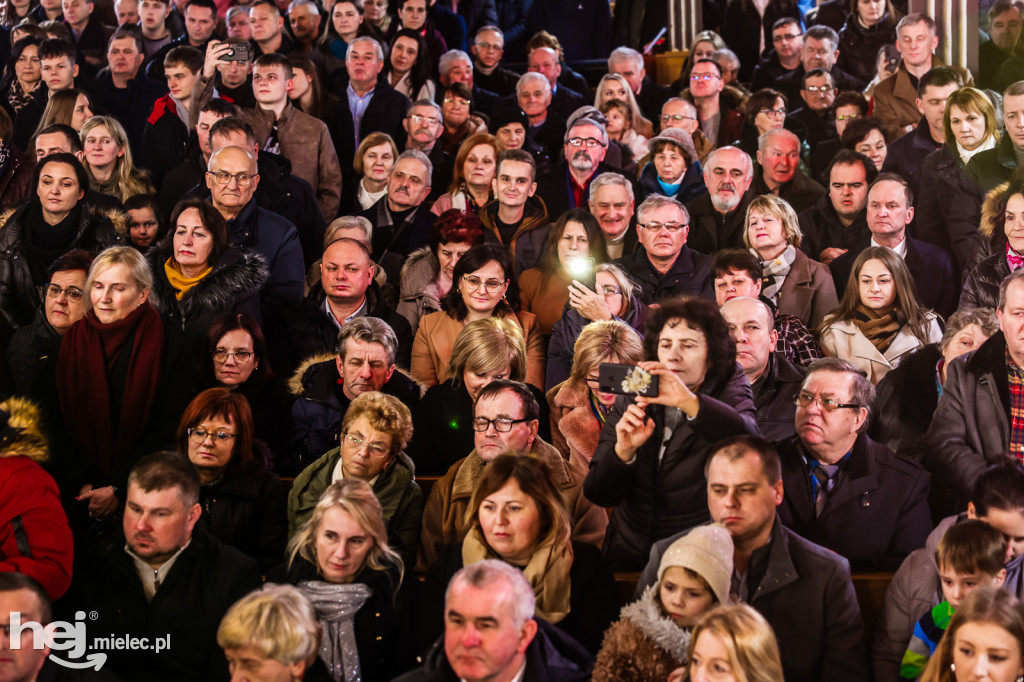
column 900, row 249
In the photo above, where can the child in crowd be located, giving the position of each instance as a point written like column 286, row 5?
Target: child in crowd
column 652, row 636
column 620, row 127
column 971, row 554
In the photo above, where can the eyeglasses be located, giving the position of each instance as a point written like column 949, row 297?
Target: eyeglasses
column 501, row 424
column 611, row 291
column 824, row 404
column 54, row 291
column 240, row 356
column 456, row 100
column 357, row 443
column 200, row 434
column 703, row 76
column 846, row 117
column 773, row 113
column 656, row 227
column 815, row 89
column 588, row 141
column 594, row 382
column 418, row 119
column 676, row 117
column 489, row 46
column 473, row 283
column 223, row 177
column 785, row 36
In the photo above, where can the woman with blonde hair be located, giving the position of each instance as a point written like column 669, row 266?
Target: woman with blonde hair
column 614, row 86
column 341, row 561
column 373, row 161
column 733, row 644
column 578, row 406
column 794, row 283
column 473, row 175
column 108, row 160
column 485, row 350
column 275, row 629
column 880, row 320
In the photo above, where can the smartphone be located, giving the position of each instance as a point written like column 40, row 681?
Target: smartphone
column 238, row 53
column 892, row 58
column 582, row 270
column 626, row 380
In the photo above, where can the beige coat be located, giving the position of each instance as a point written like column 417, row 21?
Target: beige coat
column 444, row 517
column 844, row 340
column 808, row 291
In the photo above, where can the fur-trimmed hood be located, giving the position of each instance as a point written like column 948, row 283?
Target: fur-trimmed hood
column 21, row 430
column 317, row 376
column 297, row 381
column 236, row 275
column 647, row 615
column 990, row 210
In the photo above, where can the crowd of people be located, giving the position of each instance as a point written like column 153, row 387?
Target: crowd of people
column 367, row 340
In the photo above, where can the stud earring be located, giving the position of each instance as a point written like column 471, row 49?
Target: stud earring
column 952, row 667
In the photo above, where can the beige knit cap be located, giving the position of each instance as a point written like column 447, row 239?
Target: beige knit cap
column 707, row 551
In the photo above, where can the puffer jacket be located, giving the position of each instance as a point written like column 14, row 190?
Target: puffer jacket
column 654, row 498
column 971, row 427
column 232, row 286
column 34, row 535
column 859, row 45
column 981, row 288
column 527, row 244
column 643, row 645
column 941, row 178
column 400, row 498
column 981, row 282
column 419, row 295
column 19, row 294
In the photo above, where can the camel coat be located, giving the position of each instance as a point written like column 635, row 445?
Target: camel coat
column 436, row 336
column 574, row 427
column 844, row 340
column 808, row 291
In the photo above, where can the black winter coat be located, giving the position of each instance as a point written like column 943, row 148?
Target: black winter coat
column 233, row 286
column 246, row 510
column 653, row 499
column 562, row 344
column 164, row 140
column 26, row 356
column 801, row 192
column 774, row 392
column 19, row 292
column 593, row 606
column 710, row 231
column 907, row 153
column 132, row 105
column 875, row 516
column 942, row 177
column 690, row 275
column 981, row 288
column 858, row 46
column 691, row 185
column 384, row 114
column 905, row 402
column 206, row 579
column 822, row 230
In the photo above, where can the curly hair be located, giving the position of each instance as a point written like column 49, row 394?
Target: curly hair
column 458, row 227
column 386, row 414
column 702, row 315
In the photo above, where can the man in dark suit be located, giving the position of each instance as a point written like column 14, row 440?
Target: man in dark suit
column 890, row 210
column 650, row 96
column 564, row 101
column 786, row 578
column 847, row 492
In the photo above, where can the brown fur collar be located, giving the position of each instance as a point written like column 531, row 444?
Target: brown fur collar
column 23, row 432
column 990, row 210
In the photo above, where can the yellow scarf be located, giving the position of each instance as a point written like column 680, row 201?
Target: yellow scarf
column 547, row 571
column 180, row 282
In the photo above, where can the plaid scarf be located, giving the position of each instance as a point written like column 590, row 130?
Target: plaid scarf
column 775, row 271
column 1015, row 376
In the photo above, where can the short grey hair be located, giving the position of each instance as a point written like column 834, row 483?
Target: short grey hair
column 369, row 330
column 621, row 54
column 984, row 318
column 862, row 391
column 427, row 103
column 531, row 76
column 295, row 4
column 765, row 138
column 725, row 54
column 585, row 121
column 419, row 156
column 656, row 201
column 367, row 39
column 1016, row 276
column 607, row 179
column 493, row 29
column 448, row 59
column 489, row 571
column 349, row 222
column 710, row 163
column 237, row 9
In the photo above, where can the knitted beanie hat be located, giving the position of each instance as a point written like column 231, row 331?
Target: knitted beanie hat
column 707, row 551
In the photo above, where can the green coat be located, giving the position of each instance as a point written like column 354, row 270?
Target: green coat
column 401, row 500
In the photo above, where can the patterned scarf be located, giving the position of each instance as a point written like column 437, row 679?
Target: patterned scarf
column 336, row 608
column 775, row 272
column 17, row 97
column 1013, row 259
column 1015, row 379
column 880, row 330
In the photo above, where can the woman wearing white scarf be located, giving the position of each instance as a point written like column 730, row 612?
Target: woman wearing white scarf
column 795, row 284
column 970, row 127
column 341, row 561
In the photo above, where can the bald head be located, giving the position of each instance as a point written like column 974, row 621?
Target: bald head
column 751, row 326
column 232, row 179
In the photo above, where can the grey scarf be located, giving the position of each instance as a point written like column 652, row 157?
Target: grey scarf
column 775, row 272
column 336, row 607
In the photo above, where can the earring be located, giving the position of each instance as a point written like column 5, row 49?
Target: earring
column 952, row 667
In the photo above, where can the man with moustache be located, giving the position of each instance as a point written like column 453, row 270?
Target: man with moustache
column 567, row 185
column 718, row 218
column 423, row 126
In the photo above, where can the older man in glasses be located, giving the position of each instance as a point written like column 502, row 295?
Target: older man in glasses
column 843, row 490
column 506, row 418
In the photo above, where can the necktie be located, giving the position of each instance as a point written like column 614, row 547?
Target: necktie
column 825, row 473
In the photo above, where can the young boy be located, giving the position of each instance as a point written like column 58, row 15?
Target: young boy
column 970, row 555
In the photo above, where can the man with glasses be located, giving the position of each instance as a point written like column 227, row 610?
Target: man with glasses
column 820, row 51
column 718, row 217
column 814, row 122
column 778, row 170
column 516, row 218
column 567, row 185
column 680, row 113
column 720, row 123
column 423, row 127
column 666, row 267
column 232, row 177
column 784, row 55
column 845, row 491
column 506, row 418
column 488, row 73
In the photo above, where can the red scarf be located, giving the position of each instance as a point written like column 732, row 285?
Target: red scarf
column 89, row 351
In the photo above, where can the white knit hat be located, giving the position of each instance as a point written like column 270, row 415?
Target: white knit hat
column 707, row 551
